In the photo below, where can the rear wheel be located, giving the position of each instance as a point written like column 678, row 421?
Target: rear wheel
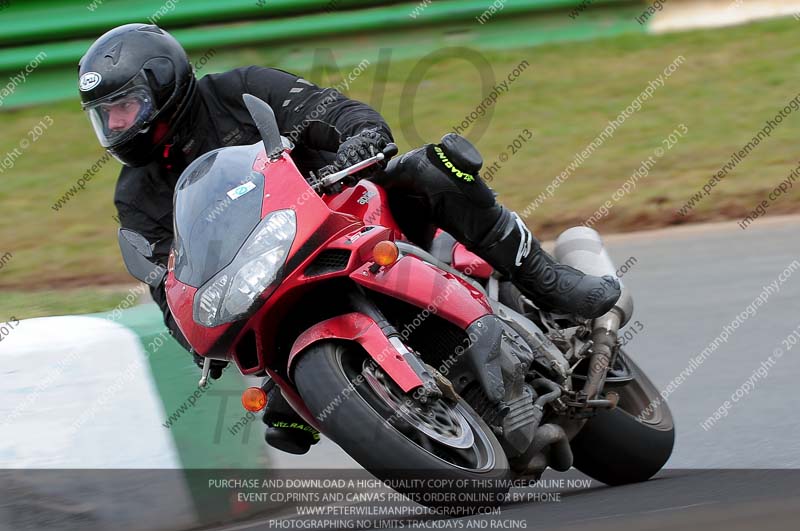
column 395, row 437
column 630, row 443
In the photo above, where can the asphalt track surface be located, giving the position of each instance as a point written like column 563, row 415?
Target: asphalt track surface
column 688, row 283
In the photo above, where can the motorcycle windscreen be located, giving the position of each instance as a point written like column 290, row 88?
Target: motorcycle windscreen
column 217, row 205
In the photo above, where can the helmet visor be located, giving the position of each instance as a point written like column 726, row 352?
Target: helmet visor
column 121, row 115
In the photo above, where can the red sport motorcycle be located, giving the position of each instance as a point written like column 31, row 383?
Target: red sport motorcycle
column 417, row 362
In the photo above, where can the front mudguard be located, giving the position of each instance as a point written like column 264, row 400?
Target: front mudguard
column 365, row 331
column 427, row 287
column 438, row 292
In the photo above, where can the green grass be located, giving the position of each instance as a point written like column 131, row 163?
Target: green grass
column 733, row 80
column 25, row 304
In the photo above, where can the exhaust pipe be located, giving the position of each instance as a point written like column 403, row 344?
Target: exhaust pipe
column 583, row 249
column 533, row 461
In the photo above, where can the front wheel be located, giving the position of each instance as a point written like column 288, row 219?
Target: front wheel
column 630, row 443
column 395, row 437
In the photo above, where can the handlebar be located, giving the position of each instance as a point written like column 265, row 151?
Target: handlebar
column 388, row 152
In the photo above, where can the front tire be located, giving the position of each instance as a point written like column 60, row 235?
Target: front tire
column 356, row 406
column 630, row 443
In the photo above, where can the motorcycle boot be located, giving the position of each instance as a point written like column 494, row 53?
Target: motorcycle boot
column 451, row 194
column 513, row 251
column 286, row 430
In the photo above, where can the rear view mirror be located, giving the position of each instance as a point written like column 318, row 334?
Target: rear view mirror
column 264, row 118
column 139, row 242
column 135, row 253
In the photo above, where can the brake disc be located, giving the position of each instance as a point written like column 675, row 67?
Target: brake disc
column 436, row 419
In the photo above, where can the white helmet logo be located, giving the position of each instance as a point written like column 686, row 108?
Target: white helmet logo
column 89, row 80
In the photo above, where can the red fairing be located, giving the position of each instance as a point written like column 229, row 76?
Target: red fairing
column 284, row 187
column 180, row 297
column 367, row 202
column 353, row 220
column 470, row 263
column 422, row 285
column 363, row 330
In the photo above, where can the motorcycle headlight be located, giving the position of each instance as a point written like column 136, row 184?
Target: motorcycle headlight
column 233, row 292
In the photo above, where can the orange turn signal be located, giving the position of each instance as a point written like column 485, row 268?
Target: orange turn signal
column 254, row 399
column 385, row 253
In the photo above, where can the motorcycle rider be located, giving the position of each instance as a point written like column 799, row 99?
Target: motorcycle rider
column 150, row 112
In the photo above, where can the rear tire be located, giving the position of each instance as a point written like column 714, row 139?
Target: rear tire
column 631, row 443
column 337, row 382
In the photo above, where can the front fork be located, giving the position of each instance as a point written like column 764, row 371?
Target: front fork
column 430, row 388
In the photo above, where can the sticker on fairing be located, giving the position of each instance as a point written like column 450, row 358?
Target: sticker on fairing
column 240, row 190
column 89, row 80
column 366, row 196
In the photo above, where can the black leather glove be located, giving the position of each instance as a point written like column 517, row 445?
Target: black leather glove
column 362, row 146
column 217, row 366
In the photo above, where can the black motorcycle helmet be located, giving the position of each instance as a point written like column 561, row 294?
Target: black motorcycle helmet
column 136, row 85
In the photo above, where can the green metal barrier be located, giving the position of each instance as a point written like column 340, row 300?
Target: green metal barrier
column 48, row 20
column 353, row 34
column 388, row 18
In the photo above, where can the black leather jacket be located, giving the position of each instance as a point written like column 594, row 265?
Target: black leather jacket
column 317, row 120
